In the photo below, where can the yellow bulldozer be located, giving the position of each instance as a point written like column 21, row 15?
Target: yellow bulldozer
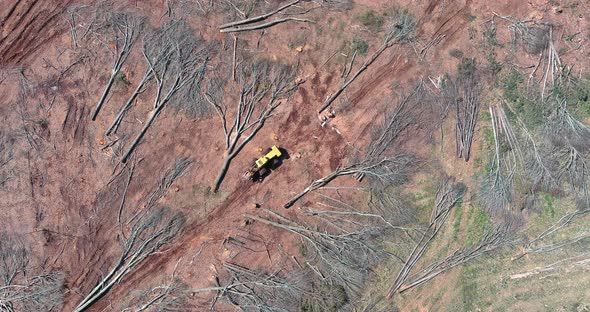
column 260, row 166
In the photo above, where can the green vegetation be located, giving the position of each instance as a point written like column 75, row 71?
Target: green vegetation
column 456, row 53
column 424, row 201
column 530, row 111
column 577, row 95
column 359, row 45
column 489, row 35
column 549, row 206
column 457, row 221
column 479, row 221
column 122, row 78
column 467, row 67
column 570, row 37
column 494, row 66
column 468, row 288
column 371, row 19
column 472, row 32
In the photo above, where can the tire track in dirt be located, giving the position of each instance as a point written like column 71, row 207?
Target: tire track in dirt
column 194, row 232
column 190, row 235
column 27, row 26
column 391, row 69
column 459, row 21
column 9, row 14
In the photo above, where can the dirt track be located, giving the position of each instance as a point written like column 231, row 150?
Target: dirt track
column 68, row 178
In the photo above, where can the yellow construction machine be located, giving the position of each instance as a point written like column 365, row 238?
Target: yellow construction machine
column 260, row 165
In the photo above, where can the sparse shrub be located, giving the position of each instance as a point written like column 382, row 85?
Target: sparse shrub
column 489, row 35
column 525, row 105
column 359, row 45
column 472, row 32
column 536, row 39
column 581, row 96
column 467, row 67
column 456, row 53
column 121, row 77
column 371, row 19
column 494, row 66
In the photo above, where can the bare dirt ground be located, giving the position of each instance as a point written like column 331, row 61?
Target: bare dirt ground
column 66, row 186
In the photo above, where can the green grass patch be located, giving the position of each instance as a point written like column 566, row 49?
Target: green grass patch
column 424, row 202
column 468, row 288
column 479, row 221
column 457, row 221
column 549, row 205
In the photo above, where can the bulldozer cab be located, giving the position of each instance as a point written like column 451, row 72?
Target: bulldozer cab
column 260, row 166
column 273, row 153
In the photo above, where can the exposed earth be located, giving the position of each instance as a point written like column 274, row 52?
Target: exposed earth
column 67, row 197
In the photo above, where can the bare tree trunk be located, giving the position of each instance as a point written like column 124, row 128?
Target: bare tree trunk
column 401, row 31
column 144, row 129
column 314, row 186
column 265, row 25
column 104, row 96
column 115, row 124
column 222, row 173
column 259, row 18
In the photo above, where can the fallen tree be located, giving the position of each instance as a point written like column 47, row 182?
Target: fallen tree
column 261, row 87
column 488, row 243
column 376, row 163
column 125, row 29
column 146, row 237
column 448, row 195
column 464, row 94
column 401, row 30
column 178, row 78
column 156, row 51
column 23, row 287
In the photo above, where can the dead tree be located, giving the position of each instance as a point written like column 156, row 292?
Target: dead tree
column 238, row 26
column 534, row 246
column 344, row 255
column 6, row 155
column 393, row 124
column 170, row 296
column 464, row 94
column 23, row 287
column 580, row 261
column 157, row 50
column 254, row 290
column 401, row 30
column 537, row 38
column 172, row 174
column 495, row 192
column 385, row 169
column 180, row 75
column 341, row 215
column 376, row 163
column 448, row 195
column 488, row 243
column 146, row 237
column 261, row 87
column 125, row 29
